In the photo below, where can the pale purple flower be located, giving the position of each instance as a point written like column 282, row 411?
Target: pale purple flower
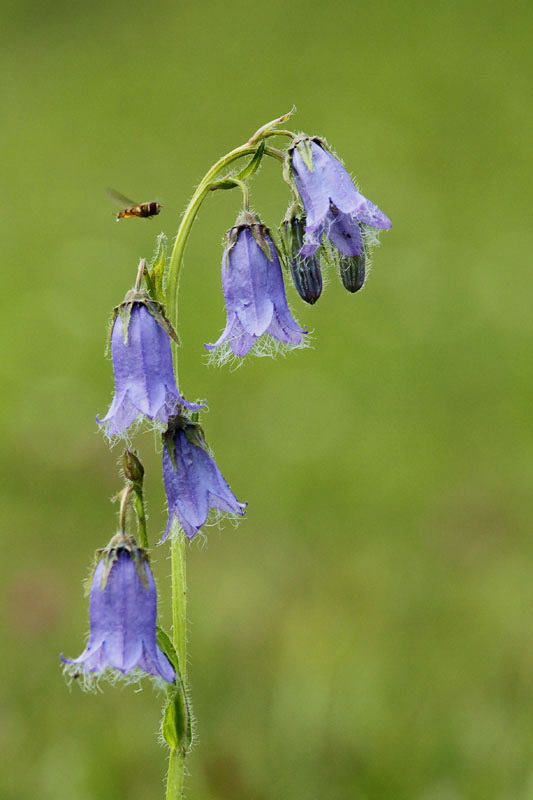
column 333, row 206
column 253, row 288
column 142, row 365
column 122, row 611
column 193, row 482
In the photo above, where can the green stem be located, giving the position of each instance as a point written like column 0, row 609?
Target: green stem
column 124, row 500
column 179, row 600
column 176, row 764
column 176, row 758
column 138, row 501
column 175, row 776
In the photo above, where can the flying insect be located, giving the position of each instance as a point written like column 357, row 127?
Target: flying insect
column 144, row 210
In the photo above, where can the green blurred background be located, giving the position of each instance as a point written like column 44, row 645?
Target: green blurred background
column 366, row 632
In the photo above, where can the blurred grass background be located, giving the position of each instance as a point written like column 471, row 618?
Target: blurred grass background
column 366, row 632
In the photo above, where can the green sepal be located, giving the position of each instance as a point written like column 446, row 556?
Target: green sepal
column 154, row 275
column 304, row 148
column 192, row 430
column 156, row 309
column 124, row 311
column 176, row 725
column 122, row 541
column 291, row 232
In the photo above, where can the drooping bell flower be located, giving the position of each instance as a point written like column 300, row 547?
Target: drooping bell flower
column 252, row 282
column 142, row 365
column 193, row 483
column 333, row 206
column 122, row 611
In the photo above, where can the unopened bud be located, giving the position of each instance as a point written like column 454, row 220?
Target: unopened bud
column 306, row 274
column 132, row 467
column 353, row 271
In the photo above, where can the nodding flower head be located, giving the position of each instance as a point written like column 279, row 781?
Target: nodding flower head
column 122, row 611
column 193, row 483
column 142, row 364
column 252, row 282
column 333, row 206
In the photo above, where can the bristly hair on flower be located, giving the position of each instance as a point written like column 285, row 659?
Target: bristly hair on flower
column 257, row 312
column 194, row 484
column 142, row 364
column 333, row 206
column 123, row 611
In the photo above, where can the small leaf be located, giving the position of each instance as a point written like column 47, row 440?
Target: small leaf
column 224, row 183
column 253, row 164
column 176, row 726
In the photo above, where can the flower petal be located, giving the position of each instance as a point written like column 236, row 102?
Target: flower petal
column 344, row 233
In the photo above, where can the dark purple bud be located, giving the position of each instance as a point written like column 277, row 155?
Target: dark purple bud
column 252, row 282
column 333, row 206
column 353, row 270
column 193, row 483
column 142, row 365
column 123, row 611
column 306, row 274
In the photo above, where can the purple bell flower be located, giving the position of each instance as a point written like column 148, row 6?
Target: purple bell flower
column 333, row 206
column 142, row 365
column 193, row 482
column 122, row 610
column 253, row 288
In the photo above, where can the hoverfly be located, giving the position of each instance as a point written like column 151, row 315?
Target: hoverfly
column 145, row 210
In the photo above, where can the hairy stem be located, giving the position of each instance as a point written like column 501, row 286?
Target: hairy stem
column 176, row 765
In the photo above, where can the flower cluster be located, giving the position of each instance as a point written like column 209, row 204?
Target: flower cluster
column 331, row 207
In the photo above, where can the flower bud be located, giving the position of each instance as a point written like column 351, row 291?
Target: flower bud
column 132, row 467
column 353, row 271
column 306, row 274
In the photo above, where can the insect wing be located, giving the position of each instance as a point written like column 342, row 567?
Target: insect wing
column 120, row 199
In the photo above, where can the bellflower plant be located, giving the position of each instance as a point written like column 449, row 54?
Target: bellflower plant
column 142, row 365
column 252, row 282
column 124, row 638
column 123, row 609
column 193, row 482
column 333, row 205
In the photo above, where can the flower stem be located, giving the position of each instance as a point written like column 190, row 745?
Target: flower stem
column 175, row 776
column 140, row 273
column 176, row 764
column 179, row 600
column 125, row 496
column 138, row 504
column 176, row 757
